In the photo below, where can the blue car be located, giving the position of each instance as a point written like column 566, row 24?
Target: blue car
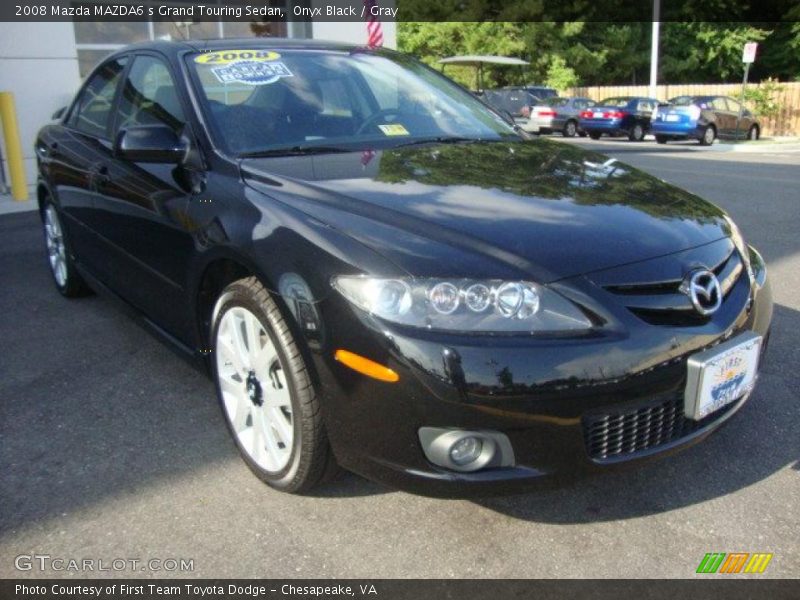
column 704, row 118
column 624, row 115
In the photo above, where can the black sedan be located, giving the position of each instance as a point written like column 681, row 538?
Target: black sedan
column 625, row 115
column 380, row 273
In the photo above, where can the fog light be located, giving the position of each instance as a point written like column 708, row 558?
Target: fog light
column 466, row 450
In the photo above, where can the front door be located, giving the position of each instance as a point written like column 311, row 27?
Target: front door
column 143, row 205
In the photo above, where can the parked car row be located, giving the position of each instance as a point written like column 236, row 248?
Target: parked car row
column 703, row 118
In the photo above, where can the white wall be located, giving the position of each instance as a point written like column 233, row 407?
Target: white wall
column 39, row 64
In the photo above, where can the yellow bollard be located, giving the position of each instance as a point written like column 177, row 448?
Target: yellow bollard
column 16, row 164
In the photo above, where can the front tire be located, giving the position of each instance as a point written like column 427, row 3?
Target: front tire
column 62, row 267
column 753, row 133
column 265, row 392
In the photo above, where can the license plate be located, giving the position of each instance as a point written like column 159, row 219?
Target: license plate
column 672, row 118
column 597, row 115
column 721, row 375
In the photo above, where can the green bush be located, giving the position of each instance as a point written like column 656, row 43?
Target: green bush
column 762, row 99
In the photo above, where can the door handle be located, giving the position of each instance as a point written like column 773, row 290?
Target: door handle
column 99, row 176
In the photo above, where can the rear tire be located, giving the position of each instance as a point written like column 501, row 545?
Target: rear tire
column 636, row 133
column 709, row 135
column 595, row 136
column 753, row 133
column 62, row 266
column 570, row 129
column 269, row 402
column 661, row 139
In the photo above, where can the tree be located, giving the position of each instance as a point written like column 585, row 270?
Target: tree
column 705, row 52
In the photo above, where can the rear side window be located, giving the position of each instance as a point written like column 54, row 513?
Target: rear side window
column 149, row 96
column 93, row 111
column 733, row 105
column 717, row 104
column 618, row 102
column 557, row 102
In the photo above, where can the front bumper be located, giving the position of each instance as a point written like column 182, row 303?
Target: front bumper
column 539, row 393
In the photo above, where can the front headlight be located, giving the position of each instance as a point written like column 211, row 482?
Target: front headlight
column 464, row 304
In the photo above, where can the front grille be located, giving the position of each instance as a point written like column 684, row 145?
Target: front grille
column 622, row 434
column 663, row 303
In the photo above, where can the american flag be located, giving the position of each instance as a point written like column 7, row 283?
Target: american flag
column 374, row 28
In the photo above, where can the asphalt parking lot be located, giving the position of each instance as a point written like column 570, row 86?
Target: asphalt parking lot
column 112, row 447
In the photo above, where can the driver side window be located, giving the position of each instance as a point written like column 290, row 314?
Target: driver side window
column 149, row 96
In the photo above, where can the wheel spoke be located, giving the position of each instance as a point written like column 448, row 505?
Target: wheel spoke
column 258, row 438
column 238, row 338
column 252, row 329
column 231, row 386
column 263, row 362
column 272, row 446
column 278, row 419
column 277, row 396
column 243, row 410
column 229, row 354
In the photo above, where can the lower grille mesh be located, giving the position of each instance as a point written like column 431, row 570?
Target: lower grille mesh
column 625, row 433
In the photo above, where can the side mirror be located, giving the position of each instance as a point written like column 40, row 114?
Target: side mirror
column 149, row 143
column 59, row 113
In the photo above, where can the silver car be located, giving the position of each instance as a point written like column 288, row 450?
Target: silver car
column 557, row 114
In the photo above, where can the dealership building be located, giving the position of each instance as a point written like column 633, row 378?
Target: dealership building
column 43, row 63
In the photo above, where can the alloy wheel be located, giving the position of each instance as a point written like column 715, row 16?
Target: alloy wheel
column 56, row 252
column 256, row 397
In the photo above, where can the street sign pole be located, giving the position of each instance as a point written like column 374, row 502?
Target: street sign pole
column 748, row 56
column 741, row 98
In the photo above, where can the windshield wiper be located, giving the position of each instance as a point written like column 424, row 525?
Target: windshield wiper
column 296, row 151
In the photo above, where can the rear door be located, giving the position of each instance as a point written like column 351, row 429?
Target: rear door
column 734, row 107
column 725, row 118
column 143, row 207
column 84, row 142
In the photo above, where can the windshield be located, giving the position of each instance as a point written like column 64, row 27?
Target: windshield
column 263, row 101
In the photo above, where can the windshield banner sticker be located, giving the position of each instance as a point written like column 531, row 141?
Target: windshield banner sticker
column 251, row 72
column 226, row 57
column 393, row 129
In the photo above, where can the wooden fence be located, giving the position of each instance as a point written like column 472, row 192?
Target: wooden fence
column 786, row 122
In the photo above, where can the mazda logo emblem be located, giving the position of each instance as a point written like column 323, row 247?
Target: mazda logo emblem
column 703, row 289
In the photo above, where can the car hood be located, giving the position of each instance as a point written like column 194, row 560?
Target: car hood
column 548, row 208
